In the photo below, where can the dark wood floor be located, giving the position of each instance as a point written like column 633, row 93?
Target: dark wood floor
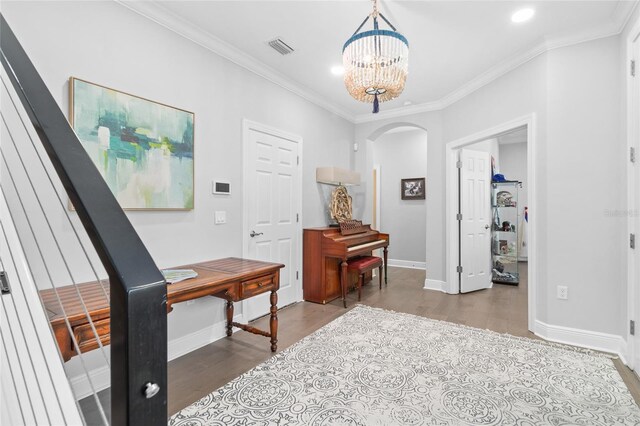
column 502, row 309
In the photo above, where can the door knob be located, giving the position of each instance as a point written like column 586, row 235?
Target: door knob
column 254, row 234
column 487, row 227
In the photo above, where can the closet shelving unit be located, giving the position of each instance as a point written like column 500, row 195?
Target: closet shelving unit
column 504, row 232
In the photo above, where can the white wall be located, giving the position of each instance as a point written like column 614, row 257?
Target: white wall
column 106, row 43
column 586, row 176
column 575, row 93
column 402, row 155
column 362, row 161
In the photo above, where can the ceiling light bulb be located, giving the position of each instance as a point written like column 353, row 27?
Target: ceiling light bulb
column 337, row 70
column 522, row 15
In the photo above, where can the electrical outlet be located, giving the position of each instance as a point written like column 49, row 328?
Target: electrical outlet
column 563, row 292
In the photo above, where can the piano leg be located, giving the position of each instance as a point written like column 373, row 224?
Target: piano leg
column 343, row 282
column 385, row 252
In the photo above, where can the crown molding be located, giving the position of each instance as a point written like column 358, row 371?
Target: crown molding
column 619, row 20
column 164, row 17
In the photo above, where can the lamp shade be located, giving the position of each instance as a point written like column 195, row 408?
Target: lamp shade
column 337, row 176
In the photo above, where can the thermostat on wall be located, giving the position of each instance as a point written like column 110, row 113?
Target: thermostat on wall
column 221, row 187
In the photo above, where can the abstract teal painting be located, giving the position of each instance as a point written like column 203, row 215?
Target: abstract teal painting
column 143, row 149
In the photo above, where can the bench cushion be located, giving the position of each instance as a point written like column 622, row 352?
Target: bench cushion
column 364, row 263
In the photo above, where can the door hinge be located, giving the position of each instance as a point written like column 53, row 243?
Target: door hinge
column 297, row 217
column 632, row 327
column 459, row 216
column 459, row 164
column 632, row 154
column 297, row 275
column 632, row 68
column 632, row 241
column 4, row 283
column 298, row 160
column 459, row 269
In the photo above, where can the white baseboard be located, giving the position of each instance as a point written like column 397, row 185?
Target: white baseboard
column 407, row 264
column 192, row 341
column 595, row 340
column 101, row 377
column 435, row 285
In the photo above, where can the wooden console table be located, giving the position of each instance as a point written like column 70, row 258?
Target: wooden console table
column 231, row 279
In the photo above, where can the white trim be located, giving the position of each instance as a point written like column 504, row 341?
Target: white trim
column 505, row 66
column 248, row 125
column 451, row 203
column 407, row 264
column 101, row 377
column 435, row 285
column 182, row 345
column 603, row 342
column 633, row 262
column 162, row 16
column 378, row 195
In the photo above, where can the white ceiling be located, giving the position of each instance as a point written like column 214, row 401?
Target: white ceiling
column 455, row 46
column 518, row 135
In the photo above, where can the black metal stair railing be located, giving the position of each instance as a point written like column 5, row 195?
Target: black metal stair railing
column 137, row 288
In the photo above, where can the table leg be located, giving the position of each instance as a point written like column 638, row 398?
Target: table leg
column 273, row 323
column 385, row 252
column 229, row 317
column 343, row 282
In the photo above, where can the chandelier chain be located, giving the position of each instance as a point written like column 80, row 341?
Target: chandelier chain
column 375, row 12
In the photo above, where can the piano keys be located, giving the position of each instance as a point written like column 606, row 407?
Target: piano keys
column 325, row 255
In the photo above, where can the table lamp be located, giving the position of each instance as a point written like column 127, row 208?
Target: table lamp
column 340, row 205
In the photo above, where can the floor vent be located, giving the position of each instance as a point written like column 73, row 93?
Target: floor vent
column 280, row 46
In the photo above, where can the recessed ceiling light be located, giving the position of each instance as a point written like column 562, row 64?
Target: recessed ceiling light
column 522, row 15
column 337, row 70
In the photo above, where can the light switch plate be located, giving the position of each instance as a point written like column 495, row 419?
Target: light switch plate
column 220, row 217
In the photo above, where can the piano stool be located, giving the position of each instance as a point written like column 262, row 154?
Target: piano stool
column 361, row 265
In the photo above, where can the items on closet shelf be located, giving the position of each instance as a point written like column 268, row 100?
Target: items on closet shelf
column 505, row 230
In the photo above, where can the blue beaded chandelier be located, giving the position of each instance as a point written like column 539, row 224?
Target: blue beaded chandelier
column 376, row 62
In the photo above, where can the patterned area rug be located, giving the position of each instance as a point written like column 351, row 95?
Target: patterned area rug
column 376, row 367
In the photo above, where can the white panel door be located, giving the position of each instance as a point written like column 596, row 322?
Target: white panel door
column 273, row 191
column 475, row 229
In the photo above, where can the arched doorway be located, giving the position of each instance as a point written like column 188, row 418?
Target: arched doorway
column 397, row 156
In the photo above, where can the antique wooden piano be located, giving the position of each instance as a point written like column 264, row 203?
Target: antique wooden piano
column 325, row 254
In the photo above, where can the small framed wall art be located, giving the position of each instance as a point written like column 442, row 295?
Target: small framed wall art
column 412, row 189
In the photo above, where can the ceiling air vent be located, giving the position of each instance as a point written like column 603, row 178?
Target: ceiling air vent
column 280, row 46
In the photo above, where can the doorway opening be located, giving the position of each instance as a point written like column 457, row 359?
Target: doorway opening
column 400, row 153
column 490, row 213
column 494, row 212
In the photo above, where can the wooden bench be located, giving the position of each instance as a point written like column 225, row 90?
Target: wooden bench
column 361, row 265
